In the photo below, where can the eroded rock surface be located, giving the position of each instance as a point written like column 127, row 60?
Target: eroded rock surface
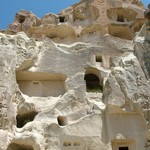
column 84, row 21
column 89, row 95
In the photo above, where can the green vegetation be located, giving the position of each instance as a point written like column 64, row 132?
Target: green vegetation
column 97, row 89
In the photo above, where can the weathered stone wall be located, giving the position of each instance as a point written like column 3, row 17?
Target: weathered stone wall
column 88, row 95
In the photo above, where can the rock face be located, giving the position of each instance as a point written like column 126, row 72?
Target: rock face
column 86, row 20
column 90, row 94
column 141, row 42
column 23, row 21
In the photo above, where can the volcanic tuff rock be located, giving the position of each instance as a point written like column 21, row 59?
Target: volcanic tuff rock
column 76, row 80
column 85, row 21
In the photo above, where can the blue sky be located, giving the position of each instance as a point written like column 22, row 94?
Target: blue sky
column 8, row 8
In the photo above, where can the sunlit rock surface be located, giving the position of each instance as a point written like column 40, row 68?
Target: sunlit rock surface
column 76, row 80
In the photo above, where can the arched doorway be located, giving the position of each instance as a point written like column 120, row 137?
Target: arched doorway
column 92, row 83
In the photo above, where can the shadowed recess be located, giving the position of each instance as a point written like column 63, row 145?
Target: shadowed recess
column 25, row 118
column 14, row 146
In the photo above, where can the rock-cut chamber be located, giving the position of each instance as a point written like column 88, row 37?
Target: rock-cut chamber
column 123, row 148
column 41, row 84
column 14, row 146
column 92, row 83
column 22, row 119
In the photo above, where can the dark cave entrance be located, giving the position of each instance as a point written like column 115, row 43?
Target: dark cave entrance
column 123, row 148
column 25, row 118
column 120, row 18
column 14, row 146
column 61, row 19
column 92, row 83
column 99, row 58
column 62, row 120
column 22, row 19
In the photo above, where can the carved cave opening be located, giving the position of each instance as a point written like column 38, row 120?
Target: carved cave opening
column 67, row 144
column 14, row 146
column 62, row 120
column 92, row 83
column 39, row 84
column 121, row 14
column 98, row 58
column 61, row 19
column 99, row 61
column 22, row 19
column 123, row 148
column 123, row 144
column 23, row 119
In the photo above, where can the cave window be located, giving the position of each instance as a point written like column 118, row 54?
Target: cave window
column 77, row 144
column 120, row 18
column 61, row 19
column 25, row 118
column 98, row 58
column 62, row 120
column 14, row 146
column 92, row 83
column 67, row 144
column 123, row 148
column 21, row 19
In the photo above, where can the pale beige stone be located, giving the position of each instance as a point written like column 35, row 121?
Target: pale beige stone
column 84, row 21
column 71, row 81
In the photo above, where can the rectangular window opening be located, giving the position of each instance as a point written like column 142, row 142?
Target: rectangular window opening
column 98, row 58
column 120, row 18
column 124, row 148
